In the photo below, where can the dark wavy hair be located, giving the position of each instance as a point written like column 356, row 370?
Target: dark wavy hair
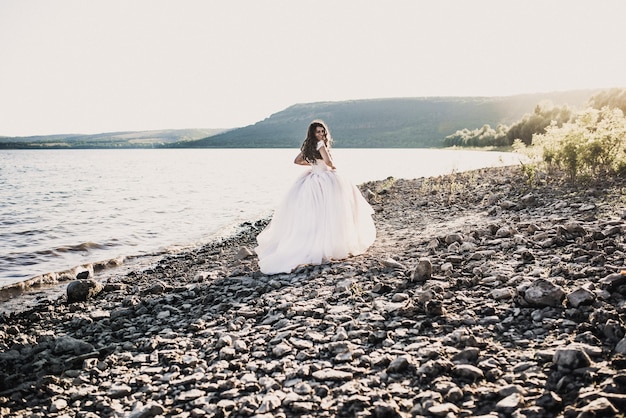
column 309, row 146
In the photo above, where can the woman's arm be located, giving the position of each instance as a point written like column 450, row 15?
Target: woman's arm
column 326, row 157
column 300, row 160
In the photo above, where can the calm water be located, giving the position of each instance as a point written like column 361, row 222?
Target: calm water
column 63, row 208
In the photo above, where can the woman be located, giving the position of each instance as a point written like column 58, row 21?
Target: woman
column 323, row 216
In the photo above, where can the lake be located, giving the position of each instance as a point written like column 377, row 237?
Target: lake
column 64, row 208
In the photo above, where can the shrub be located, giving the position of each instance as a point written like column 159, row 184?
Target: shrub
column 593, row 145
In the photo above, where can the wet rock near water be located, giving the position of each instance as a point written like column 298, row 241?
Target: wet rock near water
column 480, row 297
column 83, row 289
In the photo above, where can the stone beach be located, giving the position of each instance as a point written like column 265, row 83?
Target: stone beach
column 482, row 296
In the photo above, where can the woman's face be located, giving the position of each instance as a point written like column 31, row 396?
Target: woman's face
column 320, row 133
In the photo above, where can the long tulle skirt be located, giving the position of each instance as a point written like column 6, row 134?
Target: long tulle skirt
column 323, row 217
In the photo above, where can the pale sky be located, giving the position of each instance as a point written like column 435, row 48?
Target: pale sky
column 92, row 66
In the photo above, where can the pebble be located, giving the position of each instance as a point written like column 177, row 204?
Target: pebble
column 489, row 301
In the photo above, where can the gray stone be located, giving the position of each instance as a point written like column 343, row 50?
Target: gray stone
column 467, row 355
column 71, row 345
column 281, row 350
column 612, row 230
column 510, row 403
column 450, row 238
column 269, row 403
column 423, row 271
column 600, row 407
column 149, row 410
column 83, row 275
column 528, row 200
column 573, row 356
column 468, row 371
column 503, row 232
column 508, row 204
column 157, row 288
column 58, row 405
column 575, row 228
column 511, row 389
column 503, row 293
column 580, row 296
column 390, row 262
column 620, row 347
column 542, row 292
column 244, row 252
column 191, row 395
column 224, row 341
column 332, row 375
column 613, row 280
column 549, row 401
column 444, row 409
column 81, row 290
column 119, row 391
column 586, row 208
column 399, row 364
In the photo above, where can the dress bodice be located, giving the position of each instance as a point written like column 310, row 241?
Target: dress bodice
column 319, row 166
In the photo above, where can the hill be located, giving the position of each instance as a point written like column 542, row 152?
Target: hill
column 374, row 123
column 387, row 123
column 139, row 139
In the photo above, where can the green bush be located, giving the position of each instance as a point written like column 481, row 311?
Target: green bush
column 593, row 145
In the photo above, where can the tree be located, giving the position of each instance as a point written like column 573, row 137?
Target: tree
column 544, row 115
column 613, row 98
column 482, row 137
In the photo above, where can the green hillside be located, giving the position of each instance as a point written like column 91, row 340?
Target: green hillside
column 375, row 123
column 387, row 123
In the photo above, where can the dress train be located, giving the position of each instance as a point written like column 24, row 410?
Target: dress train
column 322, row 217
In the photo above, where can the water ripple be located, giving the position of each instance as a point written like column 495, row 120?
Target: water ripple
column 64, row 208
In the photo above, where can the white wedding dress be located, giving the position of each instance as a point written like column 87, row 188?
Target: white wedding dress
column 323, row 217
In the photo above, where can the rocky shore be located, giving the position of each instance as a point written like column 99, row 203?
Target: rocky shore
column 482, row 296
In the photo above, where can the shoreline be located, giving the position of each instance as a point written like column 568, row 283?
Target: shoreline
column 480, row 296
column 191, row 219
column 18, row 296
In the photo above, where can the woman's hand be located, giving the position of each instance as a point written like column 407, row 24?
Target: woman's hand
column 300, row 160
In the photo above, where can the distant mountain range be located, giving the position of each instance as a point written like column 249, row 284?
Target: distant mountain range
column 374, row 123
column 140, row 139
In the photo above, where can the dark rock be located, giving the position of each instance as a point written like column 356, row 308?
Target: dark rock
column 543, row 292
column 550, row 401
column 82, row 290
column 580, row 296
column 528, row 200
column 573, row 356
column 613, row 281
column 70, row 345
column 83, row 275
column 204, row 333
column 600, row 407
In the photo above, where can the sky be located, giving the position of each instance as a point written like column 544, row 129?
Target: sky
column 78, row 66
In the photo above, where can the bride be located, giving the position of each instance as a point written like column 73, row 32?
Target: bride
column 323, row 216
